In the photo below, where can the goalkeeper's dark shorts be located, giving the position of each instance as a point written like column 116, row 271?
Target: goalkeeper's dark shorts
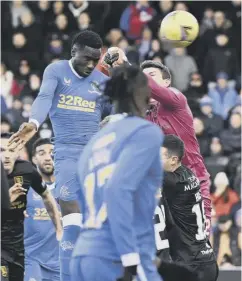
column 206, row 272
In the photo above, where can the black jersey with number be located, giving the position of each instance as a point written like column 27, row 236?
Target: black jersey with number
column 187, row 239
column 163, row 222
column 12, row 231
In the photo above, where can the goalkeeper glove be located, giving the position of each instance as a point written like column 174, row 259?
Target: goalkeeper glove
column 109, row 59
column 129, row 273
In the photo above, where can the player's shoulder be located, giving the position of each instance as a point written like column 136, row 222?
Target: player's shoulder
column 22, row 167
column 177, row 92
column 57, row 66
column 97, row 74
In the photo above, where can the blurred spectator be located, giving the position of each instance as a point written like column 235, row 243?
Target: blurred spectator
column 20, row 51
column 180, row 6
column 45, row 131
column 114, row 36
column 182, row 66
column 31, row 30
column 223, row 96
column 196, row 90
column 6, row 85
column 27, row 104
column 77, row 7
column 155, row 50
column 222, row 241
column 60, row 27
column 212, row 121
column 216, row 162
column 224, row 198
column 207, row 21
column 24, row 71
column 33, row 86
column 55, row 49
column 5, row 125
column 202, row 136
column 221, row 58
column 145, row 43
column 84, row 22
column 135, row 17
column 231, row 137
column 164, row 8
column 58, row 8
column 18, row 8
column 14, row 115
column 131, row 52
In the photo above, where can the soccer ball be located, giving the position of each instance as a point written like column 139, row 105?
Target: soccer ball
column 179, row 28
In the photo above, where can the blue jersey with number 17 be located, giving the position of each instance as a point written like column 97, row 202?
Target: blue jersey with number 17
column 120, row 173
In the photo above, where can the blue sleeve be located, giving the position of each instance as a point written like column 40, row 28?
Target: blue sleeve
column 125, row 18
column 43, row 102
column 135, row 160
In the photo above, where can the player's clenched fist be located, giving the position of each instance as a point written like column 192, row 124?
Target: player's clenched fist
column 113, row 57
column 15, row 191
column 24, row 134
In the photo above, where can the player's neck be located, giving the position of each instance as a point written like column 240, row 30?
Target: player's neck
column 48, row 178
column 175, row 167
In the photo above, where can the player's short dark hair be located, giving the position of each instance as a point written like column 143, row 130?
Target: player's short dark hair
column 174, row 145
column 40, row 142
column 124, row 82
column 6, row 135
column 164, row 69
column 87, row 38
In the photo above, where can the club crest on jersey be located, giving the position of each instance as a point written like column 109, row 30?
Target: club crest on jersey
column 4, row 271
column 95, row 88
column 67, row 81
column 19, row 179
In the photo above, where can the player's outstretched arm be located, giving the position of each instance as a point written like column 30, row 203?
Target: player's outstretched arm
column 52, row 209
column 51, row 206
column 166, row 96
column 40, row 109
column 133, row 164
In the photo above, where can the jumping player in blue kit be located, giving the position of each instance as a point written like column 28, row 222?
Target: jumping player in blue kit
column 69, row 93
column 120, row 174
column 41, row 245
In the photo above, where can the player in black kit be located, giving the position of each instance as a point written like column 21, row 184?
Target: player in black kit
column 21, row 176
column 187, row 238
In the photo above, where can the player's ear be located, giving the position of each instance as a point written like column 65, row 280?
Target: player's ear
column 73, row 51
column 167, row 82
column 34, row 160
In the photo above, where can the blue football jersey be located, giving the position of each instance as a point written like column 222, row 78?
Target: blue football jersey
column 39, row 232
column 120, row 173
column 72, row 104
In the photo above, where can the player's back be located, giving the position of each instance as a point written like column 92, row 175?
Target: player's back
column 39, row 232
column 188, row 241
column 99, row 165
column 76, row 111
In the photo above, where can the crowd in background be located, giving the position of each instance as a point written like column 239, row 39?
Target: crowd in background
column 37, row 33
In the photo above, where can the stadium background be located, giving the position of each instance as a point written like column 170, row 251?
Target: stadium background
column 36, row 33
